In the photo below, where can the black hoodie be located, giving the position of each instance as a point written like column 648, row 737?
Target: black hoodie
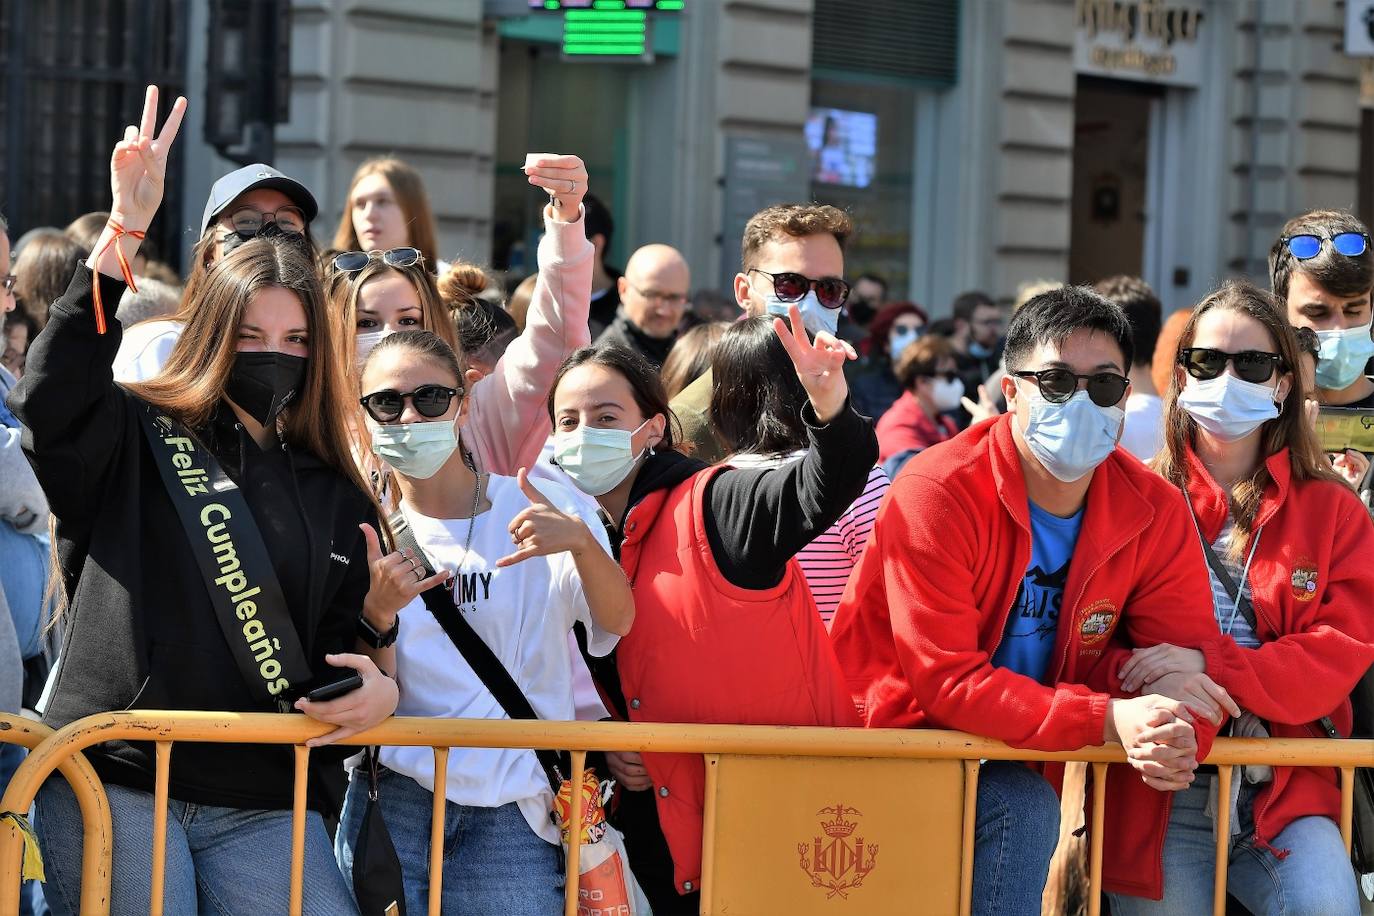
column 141, row 631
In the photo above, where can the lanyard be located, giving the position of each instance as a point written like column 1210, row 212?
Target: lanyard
column 1244, row 583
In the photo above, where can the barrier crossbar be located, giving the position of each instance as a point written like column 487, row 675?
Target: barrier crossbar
column 61, row 750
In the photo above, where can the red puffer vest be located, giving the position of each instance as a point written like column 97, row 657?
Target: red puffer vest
column 705, row 651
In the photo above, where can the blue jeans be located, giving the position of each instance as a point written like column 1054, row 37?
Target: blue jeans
column 219, row 861
column 1015, row 833
column 24, row 577
column 493, row 861
column 1314, row 879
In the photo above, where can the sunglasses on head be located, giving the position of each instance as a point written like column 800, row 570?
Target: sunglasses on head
column 793, row 287
column 429, row 401
column 1105, row 389
column 351, row 261
column 1306, row 246
column 1204, row 363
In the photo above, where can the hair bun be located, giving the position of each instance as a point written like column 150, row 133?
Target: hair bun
column 461, row 283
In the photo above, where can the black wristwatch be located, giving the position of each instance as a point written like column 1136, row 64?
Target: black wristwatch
column 369, row 634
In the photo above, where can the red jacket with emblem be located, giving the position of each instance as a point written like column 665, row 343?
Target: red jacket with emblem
column 694, row 655
column 928, row 603
column 1311, row 581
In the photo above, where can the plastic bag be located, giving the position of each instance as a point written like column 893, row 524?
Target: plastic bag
column 606, row 886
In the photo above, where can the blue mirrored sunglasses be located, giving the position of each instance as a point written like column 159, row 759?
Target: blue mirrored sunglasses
column 1305, row 247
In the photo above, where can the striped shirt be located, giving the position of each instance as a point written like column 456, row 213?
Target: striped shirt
column 1229, row 620
column 828, row 560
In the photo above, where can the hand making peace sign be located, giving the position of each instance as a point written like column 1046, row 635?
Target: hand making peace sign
column 138, row 166
column 820, row 365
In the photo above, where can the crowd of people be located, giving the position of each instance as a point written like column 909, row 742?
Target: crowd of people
column 358, row 481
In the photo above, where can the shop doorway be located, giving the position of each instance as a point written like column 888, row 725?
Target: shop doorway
column 1111, row 157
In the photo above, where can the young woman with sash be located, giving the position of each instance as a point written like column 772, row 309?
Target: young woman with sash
column 726, row 629
column 209, row 545
column 522, row 564
column 1289, row 547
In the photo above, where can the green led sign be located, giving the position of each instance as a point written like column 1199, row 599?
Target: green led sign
column 606, row 31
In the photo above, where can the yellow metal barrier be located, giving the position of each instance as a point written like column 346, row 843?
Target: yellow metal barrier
column 95, row 820
column 762, row 782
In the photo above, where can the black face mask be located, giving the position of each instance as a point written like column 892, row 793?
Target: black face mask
column 860, row 312
column 233, row 239
column 264, row 382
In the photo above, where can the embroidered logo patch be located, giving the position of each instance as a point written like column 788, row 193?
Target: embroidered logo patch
column 1304, row 580
column 1096, row 621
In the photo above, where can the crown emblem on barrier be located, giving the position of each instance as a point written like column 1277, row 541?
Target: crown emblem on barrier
column 838, row 864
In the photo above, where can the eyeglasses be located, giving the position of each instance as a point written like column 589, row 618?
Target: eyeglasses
column 250, row 220
column 9, row 280
column 1105, row 389
column 659, row 296
column 1307, row 246
column 793, row 287
column 1204, row 363
column 429, row 401
column 393, row 257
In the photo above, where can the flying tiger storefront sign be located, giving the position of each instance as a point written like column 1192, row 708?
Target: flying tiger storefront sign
column 1146, row 41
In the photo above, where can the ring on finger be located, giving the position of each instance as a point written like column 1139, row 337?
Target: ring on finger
column 419, row 574
column 572, row 185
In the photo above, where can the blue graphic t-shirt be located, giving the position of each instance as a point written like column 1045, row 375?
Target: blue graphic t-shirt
column 1028, row 641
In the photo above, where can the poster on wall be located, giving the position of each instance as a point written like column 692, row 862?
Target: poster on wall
column 843, row 145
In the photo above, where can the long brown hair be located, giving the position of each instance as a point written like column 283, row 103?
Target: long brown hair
column 409, row 190
column 1289, row 429
column 435, row 313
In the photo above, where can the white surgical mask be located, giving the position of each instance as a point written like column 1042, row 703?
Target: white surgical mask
column 1228, row 407
column 597, row 460
column 417, row 450
column 948, row 394
column 1342, row 356
column 900, row 339
column 1072, row 438
column 366, row 341
column 815, row 316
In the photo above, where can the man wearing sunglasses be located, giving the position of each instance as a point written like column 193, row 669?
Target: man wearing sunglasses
column 653, row 298
column 248, row 202
column 1322, row 269
column 1011, row 571
column 790, row 253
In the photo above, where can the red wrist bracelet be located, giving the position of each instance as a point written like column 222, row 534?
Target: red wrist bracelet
column 123, row 266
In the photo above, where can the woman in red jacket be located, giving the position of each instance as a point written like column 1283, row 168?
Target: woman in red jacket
column 709, row 552
column 1289, row 548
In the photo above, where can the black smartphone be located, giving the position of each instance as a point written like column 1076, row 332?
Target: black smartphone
column 337, row 689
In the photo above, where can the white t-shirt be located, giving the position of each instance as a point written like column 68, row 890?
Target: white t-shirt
column 524, row 614
column 144, row 350
column 1143, row 435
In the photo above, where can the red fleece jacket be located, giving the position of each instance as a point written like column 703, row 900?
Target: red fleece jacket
column 928, row 603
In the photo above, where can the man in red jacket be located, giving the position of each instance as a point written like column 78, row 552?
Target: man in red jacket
column 1012, row 570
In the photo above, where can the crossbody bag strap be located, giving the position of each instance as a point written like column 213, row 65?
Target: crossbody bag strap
column 233, row 560
column 1242, row 603
column 475, row 651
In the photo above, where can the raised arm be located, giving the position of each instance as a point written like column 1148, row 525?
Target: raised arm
column 509, row 417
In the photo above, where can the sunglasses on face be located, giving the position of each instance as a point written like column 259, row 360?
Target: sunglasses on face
column 250, row 220
column 1307, row 246
column 429, row 401
column 1105, row 389
column 793, row 287
column 350, row 261
column 950, row 376
column 1204, row 363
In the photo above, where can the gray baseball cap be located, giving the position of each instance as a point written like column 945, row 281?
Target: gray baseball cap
column 257, row 175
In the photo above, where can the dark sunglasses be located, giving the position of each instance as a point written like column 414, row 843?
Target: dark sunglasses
column 947, row 376
column 1105, row 389
column 1204, row 363
column 793, row 287
column 9, row 280
column 350, row 261
column 430, row 401
column 1307, row 246
column 250, row 220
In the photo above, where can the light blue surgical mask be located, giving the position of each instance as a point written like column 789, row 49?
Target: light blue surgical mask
column 416, row 450
column 1228, row 407
column 1342, row 356
column 597, row 460
column 815, row 316
column 1072, row 438
column 900, row 339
